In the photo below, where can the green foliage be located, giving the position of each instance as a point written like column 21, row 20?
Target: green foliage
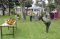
column 11, row 5
column 17, row 3
column 51, row 7
column 27, row 4
column 57, row 2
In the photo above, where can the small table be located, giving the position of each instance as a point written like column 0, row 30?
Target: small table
column 7, row 25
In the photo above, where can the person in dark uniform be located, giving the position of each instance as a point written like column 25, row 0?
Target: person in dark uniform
column 47, row 21
column 47, row 26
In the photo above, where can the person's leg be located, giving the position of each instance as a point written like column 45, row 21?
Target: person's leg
column 47, row 26
column 30, row 18
column 56, row 15
column 46, row 29
column 52, row 15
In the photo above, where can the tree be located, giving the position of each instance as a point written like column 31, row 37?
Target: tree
column 57, row 2
column 22, row 3
column 17, row 3
column 10, row 5
column 2, row 4
column 51, row 6
column 27, row 4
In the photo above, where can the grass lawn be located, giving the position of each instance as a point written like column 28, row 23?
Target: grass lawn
column 33, row 30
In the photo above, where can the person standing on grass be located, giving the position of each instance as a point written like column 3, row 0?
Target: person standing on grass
column 47, row 21
column 36, row 16
column 30, row 14
column 55, row 13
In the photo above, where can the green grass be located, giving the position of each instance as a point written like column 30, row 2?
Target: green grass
column 33, row 30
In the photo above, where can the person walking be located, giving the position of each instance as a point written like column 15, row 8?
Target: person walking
column 47, row 21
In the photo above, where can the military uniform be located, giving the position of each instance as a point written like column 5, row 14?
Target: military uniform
column 47, row 21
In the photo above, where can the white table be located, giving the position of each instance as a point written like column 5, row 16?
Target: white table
column 7, row 25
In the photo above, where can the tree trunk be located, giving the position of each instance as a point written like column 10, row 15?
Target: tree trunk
column 24, row 14
column 3, row 12
column 27, row 10
column 9, row 11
